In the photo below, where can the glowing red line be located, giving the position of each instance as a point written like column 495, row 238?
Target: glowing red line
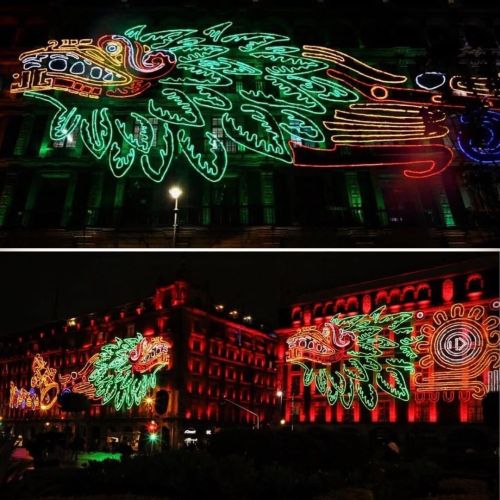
column 431, row 170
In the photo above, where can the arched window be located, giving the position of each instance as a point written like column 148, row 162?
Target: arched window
column 394, row 296
column 409, row 294
column 474, row 286
column 381, row 298
column 328, row 309
column 474, row 283
column 424, row 292
column 352, row 304
column 318, row 311
column 296, row 314
column 340, row 306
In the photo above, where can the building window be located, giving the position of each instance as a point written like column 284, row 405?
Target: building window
column 295, row 124
column 409, row 294
column 474, row 284
column 424, row 292
column 384, row 408
column 381, row 298
column 214, row 370
column 340, row 306
column 348, row 415
column 196, row 387
column 68, row 142
column 475, row 412
column 296, row 314
column 218, row 132
column 295, row 385
column 197, row 368
column 138, row 126
column 422, row 412
column 320, row 413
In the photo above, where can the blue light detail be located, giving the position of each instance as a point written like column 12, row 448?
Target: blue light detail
column 489, row 127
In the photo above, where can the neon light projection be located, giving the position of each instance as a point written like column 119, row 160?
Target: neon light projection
column 456, row 350
column 23, row 399
column 479, row 136
column 272, row 98
column 43, row 391
column 125, row 370
column 120, row 374
column 115, row 66
column 357, row 356
column 430, row 80
column 44, row 379
column 78, row 381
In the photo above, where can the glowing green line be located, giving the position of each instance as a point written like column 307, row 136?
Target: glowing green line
column 212, row 170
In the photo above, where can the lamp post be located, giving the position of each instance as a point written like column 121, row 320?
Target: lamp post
column 247, row 410
column 175, row 192
column 281, row 395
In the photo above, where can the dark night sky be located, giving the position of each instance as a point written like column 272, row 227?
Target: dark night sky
column 256, row 283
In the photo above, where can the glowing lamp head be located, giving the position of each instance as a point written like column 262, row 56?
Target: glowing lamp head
column 153, row 437
column 149, row 400
column 282, row 421
column 175, row 192
column 279, row 393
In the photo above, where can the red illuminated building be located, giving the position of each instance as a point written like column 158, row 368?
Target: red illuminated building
column 225, row 370
column 218, row 360
column 455, row 363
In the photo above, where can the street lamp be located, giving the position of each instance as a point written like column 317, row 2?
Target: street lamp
column 256, row 415
column 281, row 395
column 175, row 192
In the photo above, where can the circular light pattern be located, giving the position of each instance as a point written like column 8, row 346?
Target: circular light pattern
column 379, row 92
column 495, row 304
column 458, row 347
column 457, row 343
column 113, row 48
column 419, row 314
column 478, row 138
column 430, row 80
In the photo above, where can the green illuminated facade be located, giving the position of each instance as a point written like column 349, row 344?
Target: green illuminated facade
column 63, row 158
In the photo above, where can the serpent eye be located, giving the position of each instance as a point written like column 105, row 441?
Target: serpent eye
column 113, row 48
